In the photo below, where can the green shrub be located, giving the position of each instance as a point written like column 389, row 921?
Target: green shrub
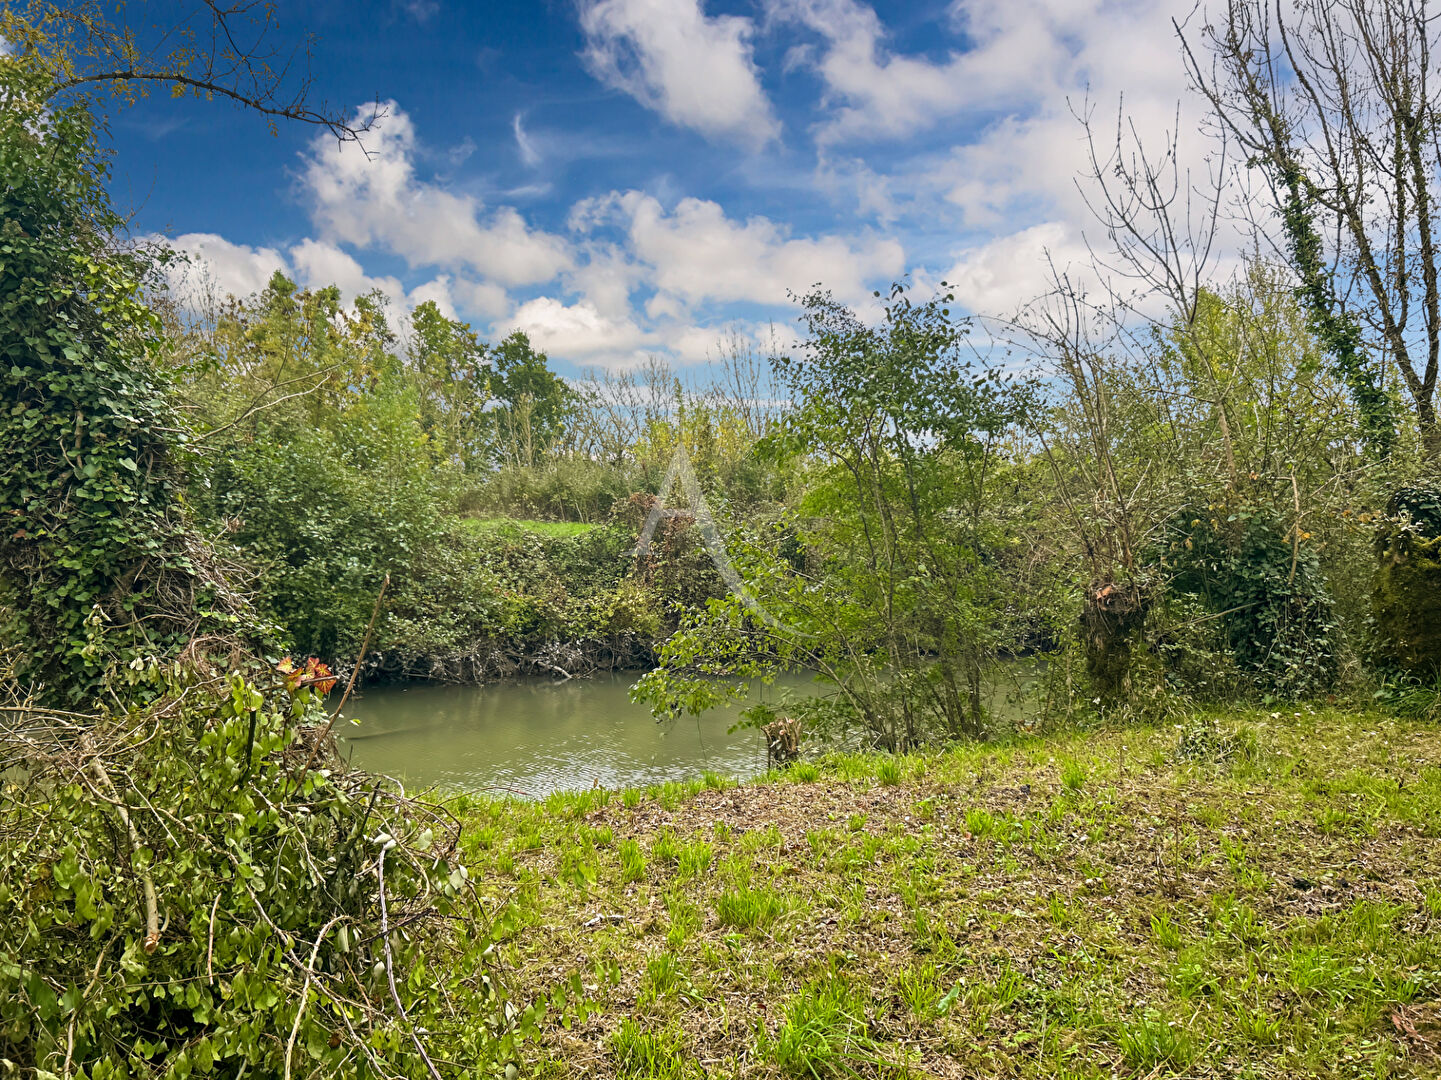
column 180, row 893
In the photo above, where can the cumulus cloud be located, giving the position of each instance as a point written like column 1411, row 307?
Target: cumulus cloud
column 696, row 71
column 696, row 253
column 1002, row 275
column 215, row 268
column 372, row 198
column 581, row 333
column 1010, row 59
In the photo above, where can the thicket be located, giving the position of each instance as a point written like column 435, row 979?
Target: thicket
column 191, row 882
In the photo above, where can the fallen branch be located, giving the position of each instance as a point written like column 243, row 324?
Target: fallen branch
column 152, row 912
column 389, row 968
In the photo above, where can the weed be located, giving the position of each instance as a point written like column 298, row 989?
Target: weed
column 1167, row 933
column 662, row 974
column 980, row 823
column 694, row 859
column 856, row 822
column 889, row 772
column 653, row 1055
column 665, row 847
column 632, row 861
column 1073, row 775
column 922, row 988
column 745, row 908
column 715, row 781
column 630, row 798
column 803, row 772
column 823, row 1033
column 1151, row 1041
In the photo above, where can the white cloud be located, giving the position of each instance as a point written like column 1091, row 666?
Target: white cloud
column 580, row 333
column 1012, row 60
column 696, row 71
column 371, row 198
column 696, row 253
column 216, row 268
column 999, row 277
column 529, row 152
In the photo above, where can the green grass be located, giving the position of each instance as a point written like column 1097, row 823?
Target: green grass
column 544, row 528
column 1122, row 904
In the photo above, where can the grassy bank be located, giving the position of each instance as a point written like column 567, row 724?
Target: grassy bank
column 1258, row 895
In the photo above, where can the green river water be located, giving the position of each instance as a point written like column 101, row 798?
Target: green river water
column 536, row 736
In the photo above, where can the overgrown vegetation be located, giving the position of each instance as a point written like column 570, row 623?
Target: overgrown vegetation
column 1211, row 492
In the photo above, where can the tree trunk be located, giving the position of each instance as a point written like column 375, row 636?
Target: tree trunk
column 1111, row 620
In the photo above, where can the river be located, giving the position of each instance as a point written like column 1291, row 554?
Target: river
column 536, row 736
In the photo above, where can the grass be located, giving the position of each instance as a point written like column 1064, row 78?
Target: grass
column 1258, row 897
column 544, row 528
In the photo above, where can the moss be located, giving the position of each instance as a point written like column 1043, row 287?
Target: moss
column 1407, row 602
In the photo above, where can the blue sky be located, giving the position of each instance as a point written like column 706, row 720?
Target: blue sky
column 624, row 178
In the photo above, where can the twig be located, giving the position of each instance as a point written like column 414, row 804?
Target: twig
column 152, row 914
column 1295, row 531
column 389, row 969
column 305, row 990
column 359, row 660
column 210, row 944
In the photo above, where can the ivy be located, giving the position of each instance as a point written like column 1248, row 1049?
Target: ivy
column 92, row 524
column 1335, row 328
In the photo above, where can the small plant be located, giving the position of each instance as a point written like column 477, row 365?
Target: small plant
column 923, row 991
column 888, row 772
column 654, row 1055
column 665, row 847
column 694, row 860
column 980, row 823
column 1167, row 933
column 856, row 822
column 662, row 974
column 1151, row 1042
column 630, row 798
column 1073, row 775
column 715, row 781
column 745, row 908
column 632, row 861
column 823, row 1034
column 803, row 772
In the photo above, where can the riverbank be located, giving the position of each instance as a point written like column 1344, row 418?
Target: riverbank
column 1254, row 895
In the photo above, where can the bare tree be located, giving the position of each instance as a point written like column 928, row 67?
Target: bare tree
column 1336, row 101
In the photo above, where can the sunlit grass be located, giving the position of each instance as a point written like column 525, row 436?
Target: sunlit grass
column 1086, row 905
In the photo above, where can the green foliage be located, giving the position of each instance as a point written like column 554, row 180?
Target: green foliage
column 179, row 894
column 824, row 1032
column 92, row 526
column 328, row 510
column 884, row 580
column 1265, row 589
column 533, row 404
column 1407, row 598
column 1335, row 328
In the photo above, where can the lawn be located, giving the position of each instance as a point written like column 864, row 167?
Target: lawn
column 545, row 528
column 1254, row 895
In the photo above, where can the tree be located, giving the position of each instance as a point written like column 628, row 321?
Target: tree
column 884, row 581
column 532, row 404
column 1336, row 101
column 452, row 371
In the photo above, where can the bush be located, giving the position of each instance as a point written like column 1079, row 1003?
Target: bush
column 328, row 511
column 181, row 892
column 1265, row 590
column 1407, row 599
